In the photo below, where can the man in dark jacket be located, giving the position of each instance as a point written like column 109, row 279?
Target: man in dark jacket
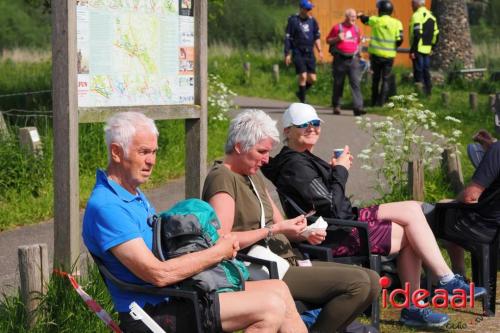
column 302, row 35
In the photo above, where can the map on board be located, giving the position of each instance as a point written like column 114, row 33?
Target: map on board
column 135, row 52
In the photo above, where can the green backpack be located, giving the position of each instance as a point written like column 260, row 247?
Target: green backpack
column 191, row 225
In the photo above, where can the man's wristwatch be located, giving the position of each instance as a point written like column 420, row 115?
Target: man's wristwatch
column 269, row 232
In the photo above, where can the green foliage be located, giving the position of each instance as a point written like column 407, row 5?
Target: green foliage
column 61, row 309
column 26, row 190
column 247, row 23
column 410, row 133
column 23, row 25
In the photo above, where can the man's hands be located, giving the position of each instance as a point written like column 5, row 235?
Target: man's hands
column 412, row 56
column 345, row 159
column 288, row 59
column 228, row 246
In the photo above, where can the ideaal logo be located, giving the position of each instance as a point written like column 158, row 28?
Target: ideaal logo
column 441, row 298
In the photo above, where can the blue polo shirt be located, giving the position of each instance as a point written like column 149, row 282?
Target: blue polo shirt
column 114, row 216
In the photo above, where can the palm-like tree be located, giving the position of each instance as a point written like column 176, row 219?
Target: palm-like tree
column 454, row 48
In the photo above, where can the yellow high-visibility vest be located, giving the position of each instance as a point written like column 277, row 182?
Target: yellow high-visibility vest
column 386, row 31
column 424, row 25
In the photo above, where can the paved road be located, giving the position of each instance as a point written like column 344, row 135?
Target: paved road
column 336, row 132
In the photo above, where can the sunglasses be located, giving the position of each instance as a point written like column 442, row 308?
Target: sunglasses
column 313, row 123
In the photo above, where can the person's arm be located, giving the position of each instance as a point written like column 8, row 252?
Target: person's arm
column 301, row 179
column 137, row 257
column 317, row 43
column 364, row 19
column 288, row 41
column 333, row 36
column 224, row 206
column 471, row 193
column 399, row 39
column 415, row 35
column 317, row 40
column 484, row 176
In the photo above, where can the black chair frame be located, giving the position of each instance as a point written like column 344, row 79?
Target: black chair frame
column 324, row 253
column 189, row 295
column 483, row 255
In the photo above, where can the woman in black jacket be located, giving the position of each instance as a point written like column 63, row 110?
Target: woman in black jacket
column 393, row 227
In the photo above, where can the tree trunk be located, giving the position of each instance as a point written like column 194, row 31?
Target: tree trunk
column 454, row 48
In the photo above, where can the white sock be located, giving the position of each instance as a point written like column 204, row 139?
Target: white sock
column 446, row 278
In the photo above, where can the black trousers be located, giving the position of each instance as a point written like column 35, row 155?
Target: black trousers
column 382, row 68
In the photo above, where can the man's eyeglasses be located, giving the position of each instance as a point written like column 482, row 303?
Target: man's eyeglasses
column 313, row 123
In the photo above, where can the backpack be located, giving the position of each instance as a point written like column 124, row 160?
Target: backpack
column 189, row 226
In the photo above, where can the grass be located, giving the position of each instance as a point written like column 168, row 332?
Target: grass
column 61, row 309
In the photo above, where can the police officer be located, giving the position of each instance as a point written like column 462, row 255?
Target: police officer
column 302, row 35
column 387, row 36
column 424, row 34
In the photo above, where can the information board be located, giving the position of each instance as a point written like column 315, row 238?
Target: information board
column 135, row 52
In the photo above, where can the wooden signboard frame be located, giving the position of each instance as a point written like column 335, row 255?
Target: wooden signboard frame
column 67, row 116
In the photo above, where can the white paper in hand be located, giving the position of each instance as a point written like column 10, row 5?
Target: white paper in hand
column 319, row 224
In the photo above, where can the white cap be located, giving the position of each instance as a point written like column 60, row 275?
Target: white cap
column 298, row 114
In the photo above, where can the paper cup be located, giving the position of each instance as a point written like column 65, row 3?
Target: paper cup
column 337, row 152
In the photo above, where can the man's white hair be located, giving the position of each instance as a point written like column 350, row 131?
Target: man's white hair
column 122, row 127
column 249, row 128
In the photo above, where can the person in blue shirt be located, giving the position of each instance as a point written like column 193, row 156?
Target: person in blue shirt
column 115, row 229
column 302, row 35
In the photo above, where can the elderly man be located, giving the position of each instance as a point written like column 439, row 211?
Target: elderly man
column 424, row 34
column 344, row 40
column 302, row 35
column 115, row 229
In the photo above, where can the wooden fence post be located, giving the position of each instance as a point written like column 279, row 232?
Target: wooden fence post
column 473, row 101
column 276, row 73
column 30, row 139
column 246, row 68
column 416, row 180
column 453, row 168
column 3, row 126
column 491, row 102
column 445, row 97
column 34, row 276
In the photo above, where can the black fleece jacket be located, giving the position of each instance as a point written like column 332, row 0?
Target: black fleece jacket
column 311, row 182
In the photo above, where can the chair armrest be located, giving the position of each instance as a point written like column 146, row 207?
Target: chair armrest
column 318, row 252
column 362, row 228
column 271, row 266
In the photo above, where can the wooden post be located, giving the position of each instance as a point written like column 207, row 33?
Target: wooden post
column 416, row 180
column 445, row 97
column 34, row 276
column 3, row 127
column 30, row 140
column 196, row 129
column 64, row 106
column 491, row 102
column 246, row 68
column 276, row 73
column 473, row 101
column 453, row 168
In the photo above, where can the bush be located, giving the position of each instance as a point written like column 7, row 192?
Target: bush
column 247, row 23
column 22, row 25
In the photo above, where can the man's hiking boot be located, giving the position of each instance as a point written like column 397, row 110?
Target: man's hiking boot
column 336, row 110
